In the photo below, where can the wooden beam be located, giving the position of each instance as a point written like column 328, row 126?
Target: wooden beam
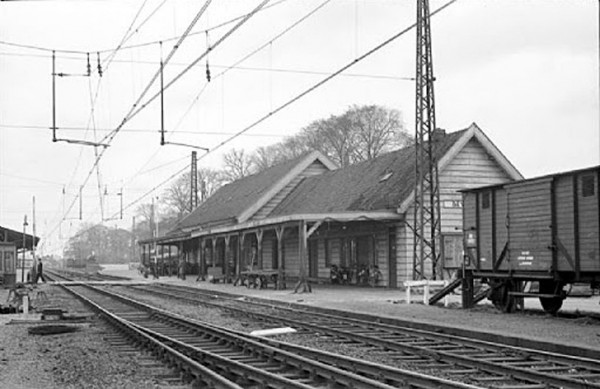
column 280, row 232
column 313, row 228
column 303, row 286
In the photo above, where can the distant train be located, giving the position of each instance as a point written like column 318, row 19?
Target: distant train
column 541, row 232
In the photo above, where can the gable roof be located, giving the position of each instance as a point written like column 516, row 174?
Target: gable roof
column 383, row 183
column 15, row 237
column 239, row 200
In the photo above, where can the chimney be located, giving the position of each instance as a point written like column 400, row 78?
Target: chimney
column 438, row 134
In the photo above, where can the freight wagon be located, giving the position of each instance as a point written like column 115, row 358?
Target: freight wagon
column 533, row 238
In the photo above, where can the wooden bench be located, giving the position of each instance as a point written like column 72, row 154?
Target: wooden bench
column 257, row 278
column 215, row 274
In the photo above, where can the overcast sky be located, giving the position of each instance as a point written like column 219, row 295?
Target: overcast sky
column 526, row 71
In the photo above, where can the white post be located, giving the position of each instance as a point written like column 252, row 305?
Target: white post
column 407, row 294
column 426, row 293
column 446, row 297
column 25, row 304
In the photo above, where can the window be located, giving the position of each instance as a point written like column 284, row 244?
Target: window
column 587, row 185
column 485, row 200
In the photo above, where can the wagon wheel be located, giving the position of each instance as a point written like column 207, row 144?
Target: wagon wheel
column 501, row 298
column 551, row 304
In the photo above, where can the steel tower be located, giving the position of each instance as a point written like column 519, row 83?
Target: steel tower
column 427, row 229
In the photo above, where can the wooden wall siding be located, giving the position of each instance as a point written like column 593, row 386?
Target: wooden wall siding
column 404, row 249
column 471, row 168
column 382, row 256
column 268, row 247
column 589, row 228
column 564, row 219
column 313, row 169
column 530, row 225
column 290, row 253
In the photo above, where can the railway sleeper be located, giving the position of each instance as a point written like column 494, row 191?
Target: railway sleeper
column 461, row 371
column 521, row 386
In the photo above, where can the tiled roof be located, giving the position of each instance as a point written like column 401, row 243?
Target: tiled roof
column 234, row 198
column 378, row 184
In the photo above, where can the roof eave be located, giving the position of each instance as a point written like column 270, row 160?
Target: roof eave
column 382, row 215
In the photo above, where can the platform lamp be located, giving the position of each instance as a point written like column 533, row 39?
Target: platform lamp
column 25, row 224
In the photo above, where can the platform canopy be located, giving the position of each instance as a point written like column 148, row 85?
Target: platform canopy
column 11, row 236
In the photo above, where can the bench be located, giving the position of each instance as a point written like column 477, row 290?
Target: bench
column 258, row 278
column 425, row 284
column 215, row 274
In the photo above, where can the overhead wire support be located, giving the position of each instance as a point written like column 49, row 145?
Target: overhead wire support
column 54, row 127
column 136, row 110
column 162, row 111
column 427, row 218
column 162, row 100
column 328, row 78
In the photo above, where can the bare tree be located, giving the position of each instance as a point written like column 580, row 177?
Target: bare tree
column 209, row 181
column 238, row 164
column 177, row 197
column 375, row 130
column 361, row 133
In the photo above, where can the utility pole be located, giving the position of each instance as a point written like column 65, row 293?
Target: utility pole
column 194, row 183
column 33, row 246
column 427, row 228
column 25, row 224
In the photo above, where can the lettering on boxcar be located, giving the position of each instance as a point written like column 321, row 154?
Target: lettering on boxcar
column 525, row 259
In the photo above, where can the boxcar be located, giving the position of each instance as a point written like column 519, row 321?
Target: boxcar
column 544, row 230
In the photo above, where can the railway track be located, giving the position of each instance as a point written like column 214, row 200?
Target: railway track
column 482, row 363
column 212, row 357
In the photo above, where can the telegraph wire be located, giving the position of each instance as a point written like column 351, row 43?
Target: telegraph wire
column 136, row 110
column 252, row 53
column 291, row 101
column 113, row 133
column 152, row 43
column 234, row 67
column 326, row 79
column 134, row 130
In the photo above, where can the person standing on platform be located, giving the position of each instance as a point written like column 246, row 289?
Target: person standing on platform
column 39, row 272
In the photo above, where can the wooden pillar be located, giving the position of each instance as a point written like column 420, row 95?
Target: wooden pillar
column 226, row 259
column 241, row 258
column 280, row 232
column 162, row 260
column 259, row 256
column 302, row 286
column 202, row 267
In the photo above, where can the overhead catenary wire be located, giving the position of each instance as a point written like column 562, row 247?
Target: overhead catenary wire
column 127, row 47
column 113, row 133
column 299, row 96
column 136, row 110
column 245, row 68
column 244, row 58
column 326, row 79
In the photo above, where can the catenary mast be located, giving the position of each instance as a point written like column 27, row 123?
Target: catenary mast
column 427, row 229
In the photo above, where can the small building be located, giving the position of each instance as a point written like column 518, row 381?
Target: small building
column 305, row 216
column 11, row 242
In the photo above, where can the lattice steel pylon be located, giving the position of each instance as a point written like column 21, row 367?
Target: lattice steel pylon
column 194, row 183
column 427, row 226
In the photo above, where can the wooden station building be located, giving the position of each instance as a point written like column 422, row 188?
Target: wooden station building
column 305, row 215
column 11, row 243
